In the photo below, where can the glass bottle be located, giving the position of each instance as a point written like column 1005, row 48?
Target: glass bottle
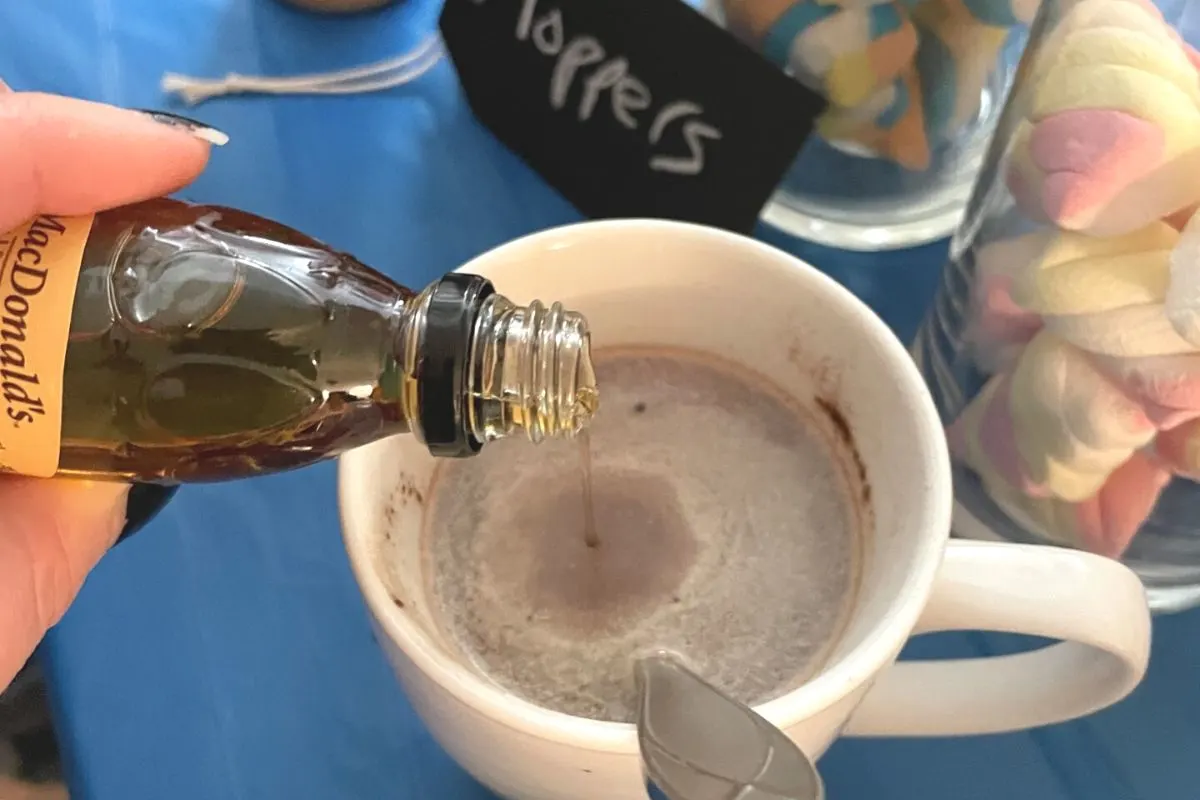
column 207, row 343
column 1060, row 349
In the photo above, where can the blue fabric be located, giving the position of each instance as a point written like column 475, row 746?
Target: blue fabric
column 224, row 651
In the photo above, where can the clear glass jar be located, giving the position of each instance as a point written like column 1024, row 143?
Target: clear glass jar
column 1063, row 348
column 915, row 88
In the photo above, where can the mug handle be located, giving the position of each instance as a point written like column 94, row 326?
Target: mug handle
column 1095, row 605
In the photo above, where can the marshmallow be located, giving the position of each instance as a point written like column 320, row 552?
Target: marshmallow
column 1183, row 298
column 1077, row 274
column 960, row 42
column 998, row 328
column 1130, row 332
column 1093, row 413
column 959, row 46
column 1081, row 432
column 1019, row 279
column 897, row 132
column 1179, row 448
column 1104, row 523
column 1111, row 140
column 983, row 439
column 1072, row 425
column 847, row 51
column 1166, row 387
column 886, row 93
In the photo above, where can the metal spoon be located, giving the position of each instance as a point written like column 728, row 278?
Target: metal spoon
column 699, row 744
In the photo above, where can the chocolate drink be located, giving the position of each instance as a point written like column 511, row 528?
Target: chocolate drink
column 724, row 529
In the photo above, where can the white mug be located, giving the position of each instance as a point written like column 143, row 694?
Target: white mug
column 668, row 283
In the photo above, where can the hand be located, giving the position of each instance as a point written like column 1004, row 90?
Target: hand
column 64, row 156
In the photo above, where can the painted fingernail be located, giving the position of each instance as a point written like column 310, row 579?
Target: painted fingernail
column 196, row 128
column 145, row 501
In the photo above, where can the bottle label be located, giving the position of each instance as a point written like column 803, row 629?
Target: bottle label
column 39, row 271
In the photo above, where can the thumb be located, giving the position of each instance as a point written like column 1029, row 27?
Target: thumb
column 52, row 532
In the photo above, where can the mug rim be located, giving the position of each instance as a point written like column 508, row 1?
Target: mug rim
column 852, row 671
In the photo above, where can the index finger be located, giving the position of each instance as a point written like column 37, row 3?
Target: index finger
column 59, row 155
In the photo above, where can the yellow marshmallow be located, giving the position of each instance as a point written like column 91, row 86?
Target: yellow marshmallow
column 1128, row 332
column 1072, row 426
column 1153, row 54
column 1067, row 246
column 970, row 422
column 1094, row 284
column 1049, row 248
column 1117, row 18
column 1081, row 414
column 1075, row 485
column 851, row 79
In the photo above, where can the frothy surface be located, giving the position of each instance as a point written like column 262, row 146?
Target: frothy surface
column 726, row 534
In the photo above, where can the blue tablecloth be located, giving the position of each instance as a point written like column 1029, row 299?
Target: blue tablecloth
column 224, row 652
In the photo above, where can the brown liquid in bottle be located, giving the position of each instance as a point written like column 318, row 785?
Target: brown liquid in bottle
column 210, row 343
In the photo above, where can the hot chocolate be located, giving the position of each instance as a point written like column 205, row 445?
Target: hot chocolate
column 725, row 528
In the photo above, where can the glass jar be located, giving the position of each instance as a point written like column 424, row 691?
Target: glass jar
column 915, row 88
column 1063, row 347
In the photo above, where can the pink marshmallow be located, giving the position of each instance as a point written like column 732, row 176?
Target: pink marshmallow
column 1104, row 523
column 1103, row 172
column 1179, row 219
column 1121, row 506
column 999, row 327
column 1167, row 387
column 996, row 438
column 999, row 317
column 1175, row 447
column 1025, row 189
column 1088, row 156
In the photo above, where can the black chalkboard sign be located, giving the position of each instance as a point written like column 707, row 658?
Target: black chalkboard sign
column 631, row 108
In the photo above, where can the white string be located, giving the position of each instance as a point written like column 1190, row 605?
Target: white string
column 369, row 78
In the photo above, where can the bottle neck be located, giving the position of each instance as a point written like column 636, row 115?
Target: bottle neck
column 477, row 367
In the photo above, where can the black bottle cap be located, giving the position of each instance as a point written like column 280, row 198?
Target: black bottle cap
column 444, row 349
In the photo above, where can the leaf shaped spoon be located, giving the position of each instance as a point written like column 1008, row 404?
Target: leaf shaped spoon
column 699, row 744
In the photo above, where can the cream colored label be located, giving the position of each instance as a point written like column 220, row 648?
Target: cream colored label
column 39, row 271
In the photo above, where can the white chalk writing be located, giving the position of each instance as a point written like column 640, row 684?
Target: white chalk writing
column 583, row 60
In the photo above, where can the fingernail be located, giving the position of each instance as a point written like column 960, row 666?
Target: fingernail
column 4, row 87
column 145, row 501
column 196, row 128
